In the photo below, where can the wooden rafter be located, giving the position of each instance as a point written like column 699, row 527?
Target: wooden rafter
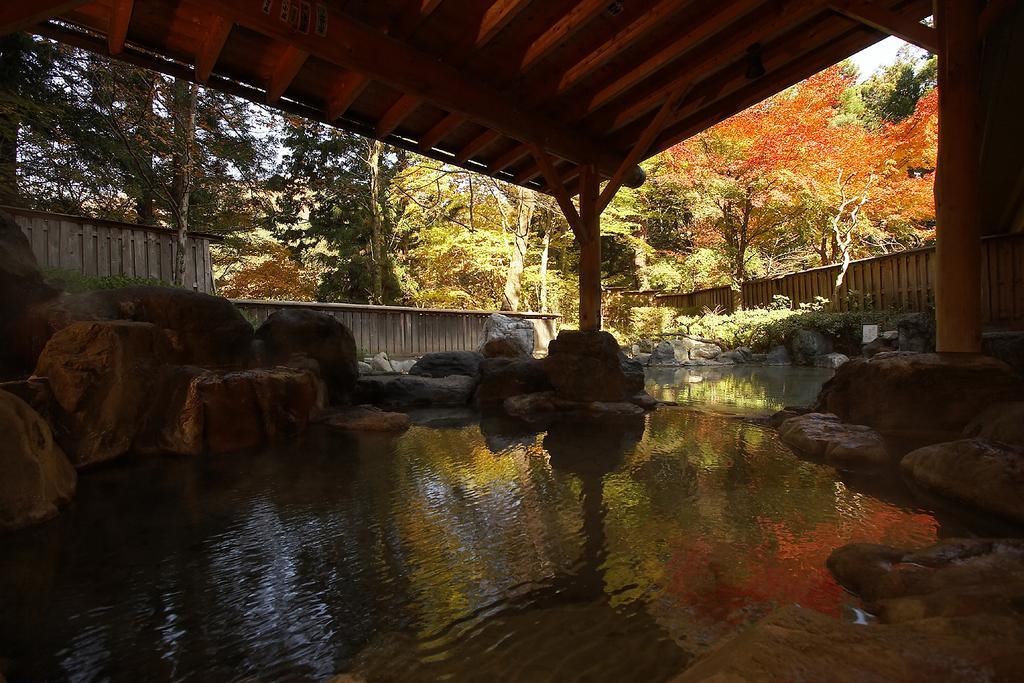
column 477, row 145
column 349, row 86
column 890, row 22
column 413, row 15
column 439, row 130
column 728, row 50
column 15, row 16
column 353, row 46
column 623, row 39
column 211, row 47
column 573, row 20
column 508, row 158
column 495, row 18
column 720, row 17
column 994, row 10
column 285, row 71
column 395, row 114
column 120, row 17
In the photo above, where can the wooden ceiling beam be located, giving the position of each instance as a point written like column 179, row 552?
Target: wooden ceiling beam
column 120, row 18
column 890, row 22
column 720, row 16
column 557, row 189
column 395, row 114
column 477, row 145
column 347, row 89
column 497, row 17
column 285, row 71
column 15, row 16
column 412, row 16
column 563, row 29
column 622, row 40
column 353, row 46
column 439, row 130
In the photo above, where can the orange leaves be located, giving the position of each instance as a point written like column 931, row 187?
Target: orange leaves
column 271, row 273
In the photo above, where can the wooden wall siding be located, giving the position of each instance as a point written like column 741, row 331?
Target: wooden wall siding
column 718, row 297
column 109, row 248
column 901, row 281
column 405, row 332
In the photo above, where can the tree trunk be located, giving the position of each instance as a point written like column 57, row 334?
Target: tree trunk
column 544, row 269
column 640, row 258
column 145, row 201
column 183, row 106
column 510, row 298
column 374, row 152
column 10, row 124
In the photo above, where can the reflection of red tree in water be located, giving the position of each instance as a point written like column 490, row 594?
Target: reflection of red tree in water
column 722, row 582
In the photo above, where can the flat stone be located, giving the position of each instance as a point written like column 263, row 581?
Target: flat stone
column 412, row 390
column 825, row 436
column 445, row 363
column 986, row 475
column 830, row 360
column 366, row 419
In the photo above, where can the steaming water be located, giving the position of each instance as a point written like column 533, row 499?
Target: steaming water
column 465, row 549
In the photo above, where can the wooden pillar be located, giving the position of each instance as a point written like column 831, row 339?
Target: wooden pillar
column 958, row 230
column 590, row 251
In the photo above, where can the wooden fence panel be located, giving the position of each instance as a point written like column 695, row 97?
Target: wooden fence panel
column 105, row 248
column 900, row 281
column 403, row 332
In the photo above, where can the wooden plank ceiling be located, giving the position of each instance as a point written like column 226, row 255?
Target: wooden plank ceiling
column 479, row 83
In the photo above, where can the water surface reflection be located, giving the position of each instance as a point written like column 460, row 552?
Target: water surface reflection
column 599, row 551
column 738, row 389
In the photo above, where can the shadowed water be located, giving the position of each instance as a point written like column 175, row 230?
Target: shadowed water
column 463, row 549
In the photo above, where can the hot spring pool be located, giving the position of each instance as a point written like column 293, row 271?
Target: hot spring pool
column 465, row 549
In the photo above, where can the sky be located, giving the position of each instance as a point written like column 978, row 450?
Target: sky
column 879, row 54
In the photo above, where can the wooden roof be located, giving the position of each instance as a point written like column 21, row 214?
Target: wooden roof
column 482, row 83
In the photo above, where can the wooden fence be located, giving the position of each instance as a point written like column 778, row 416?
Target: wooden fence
column 101, row 247
column 901, row 281
column 403, row 331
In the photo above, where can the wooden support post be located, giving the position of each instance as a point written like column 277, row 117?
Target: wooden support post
column 958, row 248
column 590, row 251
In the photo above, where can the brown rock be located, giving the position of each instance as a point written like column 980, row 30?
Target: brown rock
column 798, row 644
column 35, row 476
column 201, row 329
column 504, row 377
column 366, row 419
column 318, row 336
column 918, row 393
column 103, row 375
column 984, row 474
column 588, row 366
column 823, row 436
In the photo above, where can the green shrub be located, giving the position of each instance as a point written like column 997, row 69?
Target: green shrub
column 72, row 281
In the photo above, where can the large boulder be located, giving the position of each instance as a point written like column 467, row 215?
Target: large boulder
column 399, row 391
column 588, row 366
column 663, row 354
column 218, row 412
column 102, row 375
column 201, row 329
column 986, row 475
column 806, row 345
column 1003, row 422
column 504, row 377
column 916, row 333
column 507, row 337
column 444, row 363
column 23, row 331
column 35, row 476
column 778, row 355
column 688, row 348
column 954, row 577
column 1007, row 347
column 825, row 436
column 923, row 394
column 319, row 336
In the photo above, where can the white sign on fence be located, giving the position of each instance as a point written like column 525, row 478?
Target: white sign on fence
column 870, row 334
